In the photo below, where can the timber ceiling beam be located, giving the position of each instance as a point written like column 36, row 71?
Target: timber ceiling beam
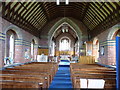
column 33, row 16
column 85, row 11
column 111, row 20
column 45, row 11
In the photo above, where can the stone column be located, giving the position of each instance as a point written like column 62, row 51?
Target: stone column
column 88, row 48
column 35, row 51
column 2, row 44
column 111, row 52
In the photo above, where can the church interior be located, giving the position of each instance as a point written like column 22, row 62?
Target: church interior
column 66, row 44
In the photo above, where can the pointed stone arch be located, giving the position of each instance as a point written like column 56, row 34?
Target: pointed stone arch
column 113, row 30
column 15, row 29
column 69, row 22
column 72, row 23
column 95, row 41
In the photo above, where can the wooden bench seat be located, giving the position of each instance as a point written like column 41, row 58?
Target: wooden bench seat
column 50, row 73
column 43, row 67
column 93, row 75
column 19, row 85
column 90, row 67
column 50, row 70
column 50, row 67
column 92, row 71
column 109, row 82
column 46, row 64
column 38, row 79
column 77, row 65
column 36, row 72
column 45, row 75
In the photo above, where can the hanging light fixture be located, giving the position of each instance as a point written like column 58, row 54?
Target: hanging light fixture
column 58, row 2
column 64, row 28
column 67, row 2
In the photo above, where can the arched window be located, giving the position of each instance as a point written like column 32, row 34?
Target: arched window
column 32, row 49
column 10, row 46
column 11, row 43
column 64, row 44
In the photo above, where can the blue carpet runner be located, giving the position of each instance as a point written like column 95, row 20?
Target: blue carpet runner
column 62, row 78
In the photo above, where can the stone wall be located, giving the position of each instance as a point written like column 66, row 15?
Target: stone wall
column 22, row 42
column 105, row 40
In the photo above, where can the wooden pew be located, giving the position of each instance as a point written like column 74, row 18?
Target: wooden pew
column 88, row 66
column 53, row 67
column 92, row 71
column 43, row 67
column 9, row 84
column 45, row 75
column 50, row 73
column 87, row 59
column 93, row 75
column 38, row 72
column 109, row 82
column 28, row 78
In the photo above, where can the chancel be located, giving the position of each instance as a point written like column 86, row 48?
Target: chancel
column 60, row 44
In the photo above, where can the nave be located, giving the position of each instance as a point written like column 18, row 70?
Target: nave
column 60, row 44
column 49, row 75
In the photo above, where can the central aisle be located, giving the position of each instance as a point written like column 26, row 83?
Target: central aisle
column 62, row 77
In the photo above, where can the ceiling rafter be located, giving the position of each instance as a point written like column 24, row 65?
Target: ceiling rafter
column 12, row 11
column 33, row 13
column 26, row 10
column 106, row 23
column 28, row 14
column 95, row 14
column 99, row 9
column 33, row 16
column 39, row 17
column 16, row 14
column 38, row 12
column 85, row 11
column 45, row 12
